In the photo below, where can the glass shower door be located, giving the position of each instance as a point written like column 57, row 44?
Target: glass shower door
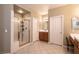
column 25, row 32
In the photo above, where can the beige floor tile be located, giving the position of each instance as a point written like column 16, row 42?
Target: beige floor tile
column 40, row 47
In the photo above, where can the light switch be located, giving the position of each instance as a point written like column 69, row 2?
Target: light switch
column 5, row 30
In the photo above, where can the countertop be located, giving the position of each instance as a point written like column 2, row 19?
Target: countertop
column 43, row 31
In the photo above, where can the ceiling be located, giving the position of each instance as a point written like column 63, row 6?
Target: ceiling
column 20, row 11
column 40, row 8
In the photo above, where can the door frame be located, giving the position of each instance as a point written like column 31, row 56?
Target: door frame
column 62, row 28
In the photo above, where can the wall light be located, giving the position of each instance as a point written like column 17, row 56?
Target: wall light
column 21, row 11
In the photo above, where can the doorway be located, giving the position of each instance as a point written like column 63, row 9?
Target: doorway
column 22, row 31
column 22, row 23
column 56, row 29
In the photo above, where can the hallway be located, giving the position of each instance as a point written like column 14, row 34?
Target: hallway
column 40, row 47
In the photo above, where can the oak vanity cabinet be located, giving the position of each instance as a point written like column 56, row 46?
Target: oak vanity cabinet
column 43, row 36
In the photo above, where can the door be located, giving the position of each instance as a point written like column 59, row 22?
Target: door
column 56, row 30
column 25, row 34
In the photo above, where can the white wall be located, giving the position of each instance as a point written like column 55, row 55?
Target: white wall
column 14, row 43
column 35, row 29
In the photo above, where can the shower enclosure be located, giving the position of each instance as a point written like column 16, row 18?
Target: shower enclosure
column 24, row 34
column 21, row 25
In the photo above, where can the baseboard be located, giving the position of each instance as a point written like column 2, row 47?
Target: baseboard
column 55, row 44
column 64, row 46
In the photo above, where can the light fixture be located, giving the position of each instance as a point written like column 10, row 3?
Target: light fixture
column 21, row 11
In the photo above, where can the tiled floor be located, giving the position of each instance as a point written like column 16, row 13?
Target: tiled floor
column 40, row 47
